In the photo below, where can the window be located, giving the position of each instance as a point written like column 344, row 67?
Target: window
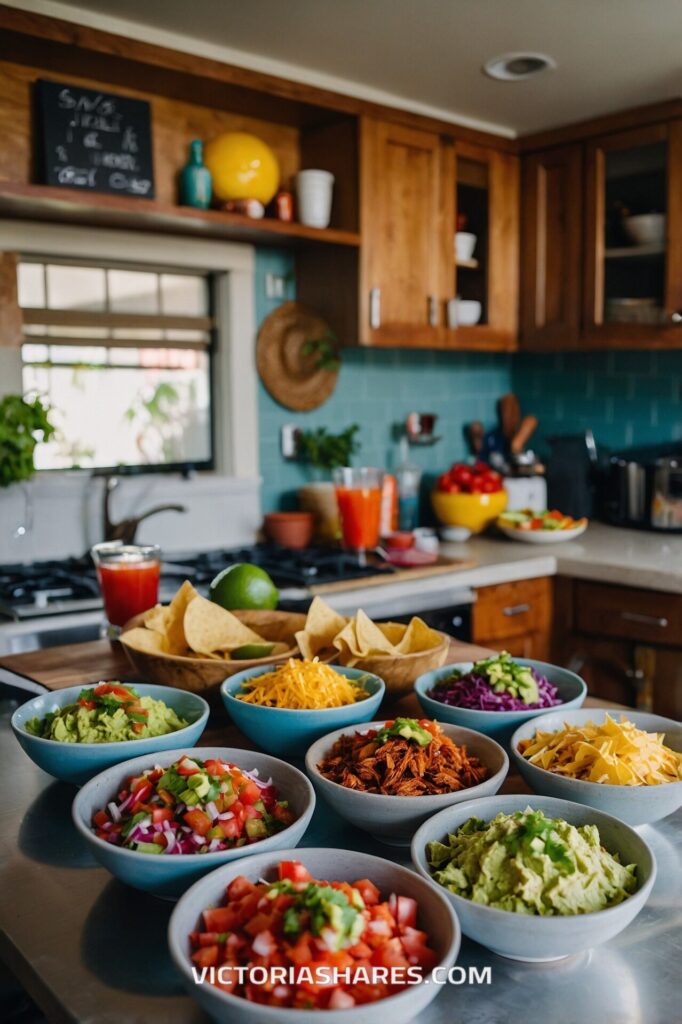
column 122, row 352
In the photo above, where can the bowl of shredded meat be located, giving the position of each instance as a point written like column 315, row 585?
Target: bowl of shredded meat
column 389, row 777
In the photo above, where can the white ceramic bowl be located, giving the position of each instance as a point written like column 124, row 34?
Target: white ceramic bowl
column 464, row 312
column 542, row 536
column 436, row 917
column 637, row 805
column 646, row 228
column 465, row 243
column 529, row 937
column 393, row 819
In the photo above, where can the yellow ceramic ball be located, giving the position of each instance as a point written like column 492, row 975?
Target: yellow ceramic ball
column 242, row 166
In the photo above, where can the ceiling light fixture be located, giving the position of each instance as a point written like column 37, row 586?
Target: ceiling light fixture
column 514, row 67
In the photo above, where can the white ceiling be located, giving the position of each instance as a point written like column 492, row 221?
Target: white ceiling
column 611, row 54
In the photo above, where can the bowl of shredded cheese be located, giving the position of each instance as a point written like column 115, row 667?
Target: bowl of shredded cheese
column 284, row 709
column 627, row 763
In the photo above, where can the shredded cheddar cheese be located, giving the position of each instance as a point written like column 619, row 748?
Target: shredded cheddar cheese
column 303, row 686
column 614, row 753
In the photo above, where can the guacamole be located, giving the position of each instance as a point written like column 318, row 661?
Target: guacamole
column 107, row 713
column 530, row 864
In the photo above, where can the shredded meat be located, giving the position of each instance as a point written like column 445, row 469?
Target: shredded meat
column 400, row 767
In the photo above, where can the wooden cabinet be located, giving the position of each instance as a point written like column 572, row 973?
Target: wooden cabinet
column 633, row 267
column 626, row 642
column 403, row 262
column 551, row 247
column 515, row 617
column 485, row 187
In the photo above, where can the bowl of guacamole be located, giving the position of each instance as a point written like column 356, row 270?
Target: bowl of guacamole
column 75, row 733
column 536, row 878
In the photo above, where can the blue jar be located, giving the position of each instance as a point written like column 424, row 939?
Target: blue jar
column 195, row 179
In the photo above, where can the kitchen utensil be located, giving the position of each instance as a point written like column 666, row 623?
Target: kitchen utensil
column 314, row 189
column 475, row 436
column 533, row 937
column 289, row 529
column 394, row 819
column 509, row 416
column 286, row 732
column 203, row 675
column 636, row 805
column 522, row 436
column 169, row 876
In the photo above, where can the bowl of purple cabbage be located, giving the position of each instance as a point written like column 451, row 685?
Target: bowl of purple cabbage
column 495, row 695
column 162, row 821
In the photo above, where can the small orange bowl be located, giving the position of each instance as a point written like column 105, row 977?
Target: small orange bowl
column 289, row 529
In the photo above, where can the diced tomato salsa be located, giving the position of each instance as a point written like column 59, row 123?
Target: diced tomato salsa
column 369, row 948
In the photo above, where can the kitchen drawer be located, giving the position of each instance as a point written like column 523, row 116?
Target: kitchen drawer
column 512, row 609
column 647, row 616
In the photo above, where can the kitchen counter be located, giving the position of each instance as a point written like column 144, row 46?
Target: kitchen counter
column 87, row 948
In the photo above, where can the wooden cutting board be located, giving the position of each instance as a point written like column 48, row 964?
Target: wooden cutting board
column 441, row 566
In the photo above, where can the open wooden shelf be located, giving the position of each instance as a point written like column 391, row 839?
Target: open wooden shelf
column 73, row 206
column 631, row 252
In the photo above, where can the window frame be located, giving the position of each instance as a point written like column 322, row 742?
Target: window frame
column 232, row 378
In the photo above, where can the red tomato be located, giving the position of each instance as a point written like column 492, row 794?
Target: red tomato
column 294, row 871
column 444, row 482
column 250, row 812
column 187, row 767
column 88, row 704
column 390, row 954
column 220, row 919
column 476, row 485
column 100, row 818
column 119, row 691
column 368, row 891
column 238, row 887
column 206, row 956
column 461, row 474
column 215, row 767
column 489, row 486
column 404, row 910
column 198, row 821
column 231, row 828
column 162, row 814
column 249, row 793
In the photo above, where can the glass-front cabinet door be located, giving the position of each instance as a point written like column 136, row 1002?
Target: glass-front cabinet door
column 633, row 257
column 483, row 310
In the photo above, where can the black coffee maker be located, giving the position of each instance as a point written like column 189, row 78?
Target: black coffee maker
column 572, row 474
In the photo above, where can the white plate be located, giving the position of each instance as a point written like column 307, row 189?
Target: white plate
column 542, row 536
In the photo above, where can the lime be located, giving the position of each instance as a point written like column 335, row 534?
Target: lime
column 243, row 586
column 249, row 651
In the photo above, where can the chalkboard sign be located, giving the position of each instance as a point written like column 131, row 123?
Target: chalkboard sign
column 93, row 140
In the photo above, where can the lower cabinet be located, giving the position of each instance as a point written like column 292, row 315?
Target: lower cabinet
column 625, row 642
column 515, row 617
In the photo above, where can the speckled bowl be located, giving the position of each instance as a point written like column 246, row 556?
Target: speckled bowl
column 529, row 937
column 436, row 917
column 169, row 876
column 499, row 724
column 393, row 819
column 78, row 762
column 637, row 805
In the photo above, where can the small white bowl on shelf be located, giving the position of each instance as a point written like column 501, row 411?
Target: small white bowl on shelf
column 645, row 228
column 464, row 312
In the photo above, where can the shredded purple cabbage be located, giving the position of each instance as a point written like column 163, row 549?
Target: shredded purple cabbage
column 474, row 692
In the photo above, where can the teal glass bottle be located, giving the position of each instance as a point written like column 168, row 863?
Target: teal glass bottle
column 195, row 179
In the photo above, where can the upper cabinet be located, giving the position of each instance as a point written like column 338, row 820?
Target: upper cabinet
column 551, row 247
column 484, row 184
column 633, row 238
column 403, row 266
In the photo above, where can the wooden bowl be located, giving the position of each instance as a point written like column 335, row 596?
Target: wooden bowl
column 399, row 672
column 204, row 675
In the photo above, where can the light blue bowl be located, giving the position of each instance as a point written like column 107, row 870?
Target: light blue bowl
column 169, row 875
column 499, row 724
column 78, row 762
column 289, row 733
column 526, row 936
column 637, row 805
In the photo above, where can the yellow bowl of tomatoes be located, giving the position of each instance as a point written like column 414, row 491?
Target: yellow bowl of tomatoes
column 469, row 496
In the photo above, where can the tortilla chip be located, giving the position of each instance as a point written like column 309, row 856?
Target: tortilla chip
column 418, row 637
column 370, row 638
column 145, row 640
column 175, row 616
column 322, row 625
column 393, row 631
column 156, row 619
column 209, row 628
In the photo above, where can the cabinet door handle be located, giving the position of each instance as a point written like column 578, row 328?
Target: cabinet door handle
column 433, row 311
column 645, row 620
column 515, row 609
column 375, row 308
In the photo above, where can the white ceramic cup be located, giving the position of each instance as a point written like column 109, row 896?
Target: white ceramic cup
column 465, row 243
column 314, row 192
column 463, row 312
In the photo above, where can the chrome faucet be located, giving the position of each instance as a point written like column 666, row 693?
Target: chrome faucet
column 125, row 530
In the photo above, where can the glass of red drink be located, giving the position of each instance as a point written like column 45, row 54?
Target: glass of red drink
column 128, row 576
column 358, row 495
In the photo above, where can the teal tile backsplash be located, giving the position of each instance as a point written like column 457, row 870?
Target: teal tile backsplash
column 625, row 397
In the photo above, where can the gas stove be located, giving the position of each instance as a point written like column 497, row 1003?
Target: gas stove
column 59, row 587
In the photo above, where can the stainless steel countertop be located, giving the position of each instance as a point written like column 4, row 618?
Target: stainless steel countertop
column 89, row 949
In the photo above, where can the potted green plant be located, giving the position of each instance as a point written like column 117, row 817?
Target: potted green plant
column 322, row 451
column 23, row 424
